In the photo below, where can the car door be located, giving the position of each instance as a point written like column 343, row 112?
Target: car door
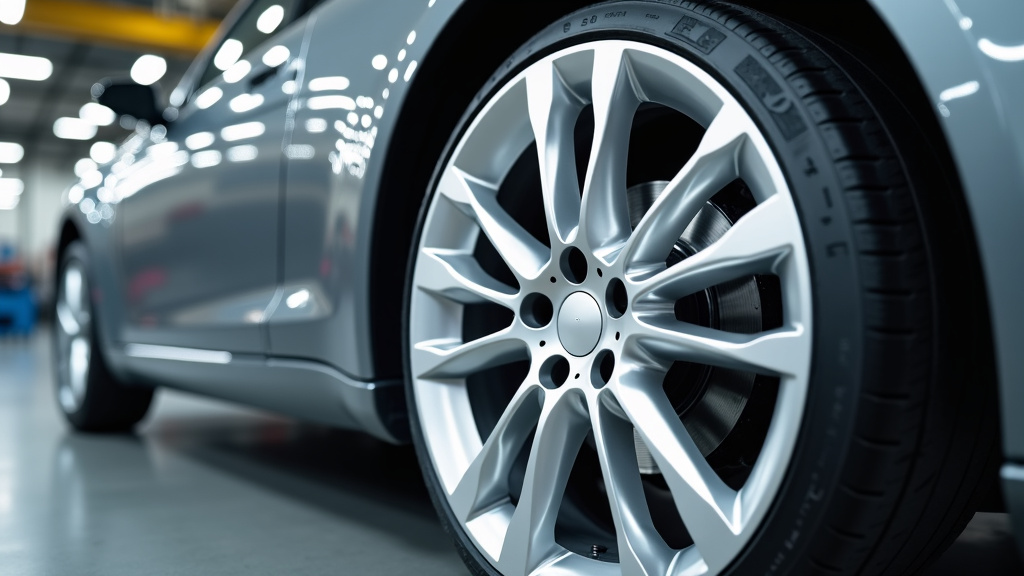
column 200, row 199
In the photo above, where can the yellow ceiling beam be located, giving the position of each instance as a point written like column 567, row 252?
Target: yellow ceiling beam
column 118, row 25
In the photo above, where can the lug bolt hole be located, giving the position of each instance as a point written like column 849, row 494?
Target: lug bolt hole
column 554, row 372
column 542, row 343
column 600, row 274
column 604, row 365
column 536, row 311
column 553, row 280
column 616, row 298
column 574, row 265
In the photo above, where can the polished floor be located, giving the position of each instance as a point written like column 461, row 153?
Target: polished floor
column 210, row 488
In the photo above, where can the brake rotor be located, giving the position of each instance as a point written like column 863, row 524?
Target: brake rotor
column 709, row 400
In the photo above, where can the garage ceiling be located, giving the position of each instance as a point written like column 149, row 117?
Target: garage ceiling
column 79, row 60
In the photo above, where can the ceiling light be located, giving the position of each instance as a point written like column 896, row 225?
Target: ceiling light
column 84, row 166
column 270, row 19
column 102, row 152
column 209, row 98
column 246, row 102
column 200, row 140
column 242, row 131
column 73, row 129
column 5, row 91
column 229, row 53
column 11, row 11
column 11, row 152
column 11, row 186
column 276, row 56
column 148, row 69
column 97, row 114
column 237, row 71
column 24, row 67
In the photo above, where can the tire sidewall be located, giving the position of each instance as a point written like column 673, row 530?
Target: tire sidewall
column 815, row 184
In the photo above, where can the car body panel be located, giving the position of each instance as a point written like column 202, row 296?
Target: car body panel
column 969, row 56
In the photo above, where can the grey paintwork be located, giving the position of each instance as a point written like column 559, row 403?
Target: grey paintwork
column 294, row 306
column 969, row 56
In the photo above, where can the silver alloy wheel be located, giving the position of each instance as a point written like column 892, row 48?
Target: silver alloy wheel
column 74, row 344
column 642, row 337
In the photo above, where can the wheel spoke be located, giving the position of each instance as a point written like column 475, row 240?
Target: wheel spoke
column 452, row 358
column 642, row 552
column 530, row 538
column 781, row 352
column 485, row 483
column 708, row 507
column 713, row 165
column 523, row 253
column 553, row 109
column 458, row 276
column 605, row 217
column 754, row 245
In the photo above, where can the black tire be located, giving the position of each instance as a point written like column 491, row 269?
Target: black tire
column 107, row 405
column 894, row 441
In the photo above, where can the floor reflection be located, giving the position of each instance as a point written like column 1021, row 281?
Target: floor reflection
column 206, row 487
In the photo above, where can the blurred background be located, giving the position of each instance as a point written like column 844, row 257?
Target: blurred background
column 51, row 53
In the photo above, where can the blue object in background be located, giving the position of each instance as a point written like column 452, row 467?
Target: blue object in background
column 17, row 303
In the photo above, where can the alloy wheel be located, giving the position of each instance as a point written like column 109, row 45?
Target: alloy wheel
column 611, row 363
column 74, row 344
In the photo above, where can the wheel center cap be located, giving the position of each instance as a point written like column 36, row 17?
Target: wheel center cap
column 579, row 324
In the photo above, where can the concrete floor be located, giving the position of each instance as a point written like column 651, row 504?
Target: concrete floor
column 210, row 488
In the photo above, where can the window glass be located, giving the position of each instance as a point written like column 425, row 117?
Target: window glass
column 261, row 20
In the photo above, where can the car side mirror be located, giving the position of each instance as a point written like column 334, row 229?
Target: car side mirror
column 127, row 98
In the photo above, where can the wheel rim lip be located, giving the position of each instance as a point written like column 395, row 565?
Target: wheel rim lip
column 440, row 405
column 74, row 345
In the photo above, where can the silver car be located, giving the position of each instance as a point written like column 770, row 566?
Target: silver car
column 653, row 287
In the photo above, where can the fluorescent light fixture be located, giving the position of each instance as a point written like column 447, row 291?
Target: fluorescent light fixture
column 328, row 102
column 73, row 129
column 75, row 194
column 243, row 131
column 411, row 38
column 237, row 71
column 270, row 19
column 324, row 83
column 10, row 193
column 276, row 56
column 11, row 152
column 24, row 67
column 97, row 114
column 162, row 150
column 379, row 62
column 148, row 69
column 91, row 179
column 11, row 11
column 229, row 53
column 199, row 140
column 246, row 102
column 206, row 158
column 11, row 186
column 84, row 166
column 102, row 152
column 209, row 97
column 243, row 153
column 409, row 71
column 288, row 87
column 5, row 91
